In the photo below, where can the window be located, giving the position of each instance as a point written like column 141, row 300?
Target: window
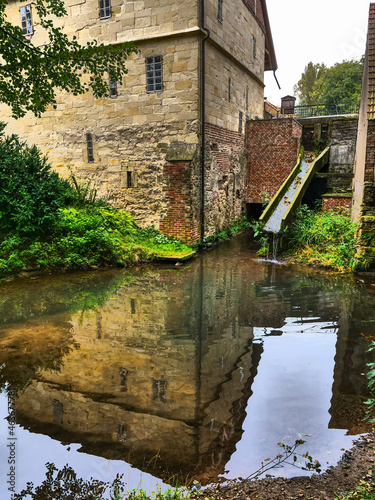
column 240, row 123
column 154, row 74
column 229, row 89
column 112, row 88
column 129, row 179
column 90, row 149
column 254, row 47
column 26, row 21
column 104, row 9
column 247, row 98
column 220, row 11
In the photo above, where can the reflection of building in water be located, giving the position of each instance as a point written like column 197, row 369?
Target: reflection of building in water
column 164, row 370
column 145, row 382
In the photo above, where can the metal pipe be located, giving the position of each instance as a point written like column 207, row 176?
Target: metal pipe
column 203, row 120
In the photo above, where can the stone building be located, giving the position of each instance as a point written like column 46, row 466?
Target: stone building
column 197, row 78
column 363, row 205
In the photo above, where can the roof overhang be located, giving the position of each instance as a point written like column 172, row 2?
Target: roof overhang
column 270, row 62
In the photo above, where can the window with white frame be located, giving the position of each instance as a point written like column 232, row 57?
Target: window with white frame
column 104, row 9
column 26, row 20
column 154, row 74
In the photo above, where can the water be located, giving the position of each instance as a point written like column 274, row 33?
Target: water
column 188, row 373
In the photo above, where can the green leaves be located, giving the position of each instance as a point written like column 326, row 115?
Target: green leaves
column 335, row 85
column 30, row 75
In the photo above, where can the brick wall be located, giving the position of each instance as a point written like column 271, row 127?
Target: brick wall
column 340, row 203
column 370, row 152
column 181, row 219
column 273, row 147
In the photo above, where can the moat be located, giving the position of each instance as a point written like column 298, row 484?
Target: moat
column 165, row 373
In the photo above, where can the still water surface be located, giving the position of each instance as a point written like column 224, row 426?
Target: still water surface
column 192, row 372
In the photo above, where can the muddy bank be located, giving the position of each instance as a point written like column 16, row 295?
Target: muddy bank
column 354, row 466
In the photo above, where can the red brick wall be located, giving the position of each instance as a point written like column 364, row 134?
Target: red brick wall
column 273, row 147
column 224, row 145
column 181, row 220
column 342, row 204
column 250, row 4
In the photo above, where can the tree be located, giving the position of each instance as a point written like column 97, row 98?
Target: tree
column 305, row 86
column 30, row 75
column 338, row 84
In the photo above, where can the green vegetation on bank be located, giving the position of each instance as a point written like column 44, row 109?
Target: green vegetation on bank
column 324, row 239
column 49, row 223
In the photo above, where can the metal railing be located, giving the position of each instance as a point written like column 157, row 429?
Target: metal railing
column 346, row 108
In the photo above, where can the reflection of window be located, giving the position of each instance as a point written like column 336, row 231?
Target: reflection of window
column 104, row 9
column 158, row 390
column 132, row 306
column 154, row 74
column 124, row 379
column 98, row 326
column 58, row 411
column 121, row 433
column 26, row 21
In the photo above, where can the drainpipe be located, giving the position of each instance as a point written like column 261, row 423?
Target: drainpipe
column 203, row 118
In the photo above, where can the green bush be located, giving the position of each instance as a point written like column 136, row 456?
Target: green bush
column 30, row 192
column 325, row 238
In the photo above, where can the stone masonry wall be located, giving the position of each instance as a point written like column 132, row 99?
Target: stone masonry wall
column 273, row 147
column 131, row 133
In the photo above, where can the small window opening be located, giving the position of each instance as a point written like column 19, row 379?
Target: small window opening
column 254, row 47
column 90, row 149
column 247, row 98
column 229, row 89
column 220, row 11
column 112, row 88
column 104, row 9
column 240, row 124
column 129, row 179
column 154, row 74
column 26, row 21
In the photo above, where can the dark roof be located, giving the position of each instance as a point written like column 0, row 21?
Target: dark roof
column 270, row 63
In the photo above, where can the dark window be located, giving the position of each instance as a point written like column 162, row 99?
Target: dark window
column 26, row 21
column 220, row 11
column 254, row 47
column 159, row 390
column 112, row 88
column 229, row 89
column 104, row 9
column 90, row 149
column 247, row 98
column 121, row 433
column 240, row 123
column 154, row 74
column 129, row 179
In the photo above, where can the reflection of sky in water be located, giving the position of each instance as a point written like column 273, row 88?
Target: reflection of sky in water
column 35, row 450
column 291, row 395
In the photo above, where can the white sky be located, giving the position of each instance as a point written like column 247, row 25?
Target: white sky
column 321, row 31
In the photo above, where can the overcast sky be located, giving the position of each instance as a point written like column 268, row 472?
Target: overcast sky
column 321, row 31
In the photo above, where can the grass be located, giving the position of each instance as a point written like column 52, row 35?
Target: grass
column 87, row 237
column 325, row 239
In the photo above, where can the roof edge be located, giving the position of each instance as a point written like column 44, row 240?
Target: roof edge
column 272, row 66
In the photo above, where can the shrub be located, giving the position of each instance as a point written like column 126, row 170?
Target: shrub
column 30, row 192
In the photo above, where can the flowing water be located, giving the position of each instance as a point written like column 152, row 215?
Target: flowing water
column 190, row 373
